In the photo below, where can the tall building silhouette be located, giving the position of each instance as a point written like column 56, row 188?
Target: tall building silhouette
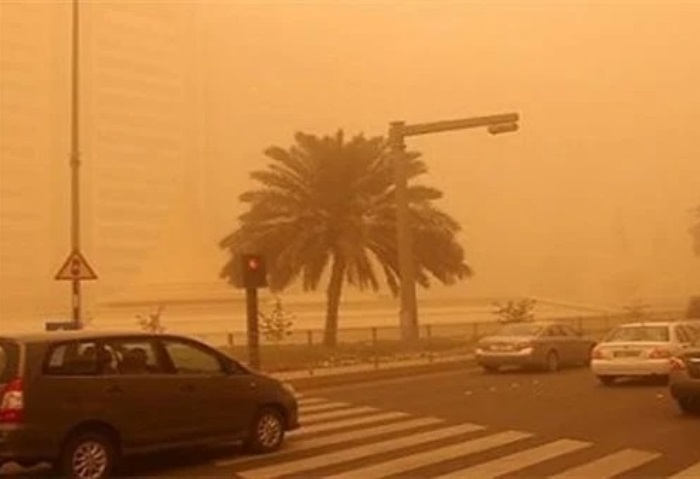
column 140, row 142
column 33, row 139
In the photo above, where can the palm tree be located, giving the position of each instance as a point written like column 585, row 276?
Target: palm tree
column 328, row 204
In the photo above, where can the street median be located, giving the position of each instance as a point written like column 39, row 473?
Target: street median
column 348, row 375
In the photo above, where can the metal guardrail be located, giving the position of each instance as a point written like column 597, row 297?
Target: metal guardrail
column 467, row 332
column 380, row 347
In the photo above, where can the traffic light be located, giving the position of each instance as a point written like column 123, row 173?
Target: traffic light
column 254, row 272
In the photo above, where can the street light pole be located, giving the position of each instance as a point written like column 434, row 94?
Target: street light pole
column 75, row 165
column 408, row 313
column 398, row 131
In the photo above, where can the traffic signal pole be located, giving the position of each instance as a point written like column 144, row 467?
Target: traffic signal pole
column 251, row 299
column 253, row 276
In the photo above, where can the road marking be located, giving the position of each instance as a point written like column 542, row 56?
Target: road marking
column 693, row 472
column 324, row 416
column 307, row 401
column 322, row 407
column 434, row 456
column 346, row 455
column 340, row 438
column 610, row 465
column 330, row 426
column 519, row 460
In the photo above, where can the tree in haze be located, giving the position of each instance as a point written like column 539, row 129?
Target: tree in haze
column 324, row 210
column 516, row 312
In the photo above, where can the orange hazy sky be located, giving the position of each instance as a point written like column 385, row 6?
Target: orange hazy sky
column 608, row 93
column 590, row 200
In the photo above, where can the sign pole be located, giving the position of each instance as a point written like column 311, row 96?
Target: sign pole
column 75, row 168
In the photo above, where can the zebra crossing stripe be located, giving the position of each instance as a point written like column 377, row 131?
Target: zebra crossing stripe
column 333, row 425
column 610, row 465
column 693, row 472
column 519, row 460
column 368, row 450
column 324, row 416
column 434, row 456
column 321, row 407
column 340, row 438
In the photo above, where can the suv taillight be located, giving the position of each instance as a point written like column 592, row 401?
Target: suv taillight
column 677, row 364
column 12, row 402
column 597, row 353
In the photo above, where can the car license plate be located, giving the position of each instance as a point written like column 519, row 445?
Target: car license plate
column 626, row 354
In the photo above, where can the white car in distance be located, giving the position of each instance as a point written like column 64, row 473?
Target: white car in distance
column 642, row 349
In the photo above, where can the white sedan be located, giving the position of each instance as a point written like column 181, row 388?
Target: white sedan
column 641, row 349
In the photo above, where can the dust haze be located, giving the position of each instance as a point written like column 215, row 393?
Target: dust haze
column 591, row 201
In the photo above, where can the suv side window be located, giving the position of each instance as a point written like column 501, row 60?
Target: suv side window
column 74, row 358
column 133, row 356
column 189, row 358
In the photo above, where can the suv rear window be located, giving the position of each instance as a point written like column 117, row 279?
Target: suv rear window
column 9, row 360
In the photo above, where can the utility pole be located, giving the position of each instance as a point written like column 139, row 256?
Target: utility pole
column 398, row 131
column 76, row 267
column 75, row 165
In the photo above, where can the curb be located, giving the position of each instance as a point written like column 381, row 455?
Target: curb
column 330, row 379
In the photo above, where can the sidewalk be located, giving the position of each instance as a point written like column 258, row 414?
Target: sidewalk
column 341, row 375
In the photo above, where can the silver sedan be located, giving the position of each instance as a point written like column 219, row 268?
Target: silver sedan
column 540, row 344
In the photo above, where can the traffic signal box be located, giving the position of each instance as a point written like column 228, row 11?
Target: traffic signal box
column 253, row 271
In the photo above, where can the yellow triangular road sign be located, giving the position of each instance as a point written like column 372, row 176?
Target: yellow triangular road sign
column 76, row 267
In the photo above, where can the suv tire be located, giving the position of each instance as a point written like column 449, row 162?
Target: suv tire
column 266, row 432
column 88, row 455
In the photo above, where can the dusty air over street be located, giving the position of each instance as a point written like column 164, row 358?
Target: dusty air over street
column 328, row 238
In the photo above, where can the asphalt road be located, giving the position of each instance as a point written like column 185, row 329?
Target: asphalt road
column 511, row 424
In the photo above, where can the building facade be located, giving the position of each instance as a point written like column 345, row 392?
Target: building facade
column 140, row 142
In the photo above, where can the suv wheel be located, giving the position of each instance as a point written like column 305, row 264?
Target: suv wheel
column 88, row 455
column 267, row 431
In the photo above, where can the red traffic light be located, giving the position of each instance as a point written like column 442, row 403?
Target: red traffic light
column 254, row 272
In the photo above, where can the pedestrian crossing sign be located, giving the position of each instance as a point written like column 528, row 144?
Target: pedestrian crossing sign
column 76, row 268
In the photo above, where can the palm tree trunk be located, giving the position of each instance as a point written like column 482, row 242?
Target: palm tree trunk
column 335, row 288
